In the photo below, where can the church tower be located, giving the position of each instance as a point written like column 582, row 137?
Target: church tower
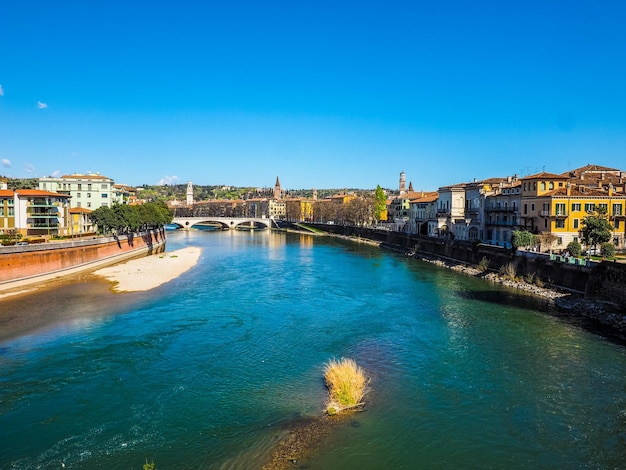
column 189, row 193
column 277, row 190
column 402, row 183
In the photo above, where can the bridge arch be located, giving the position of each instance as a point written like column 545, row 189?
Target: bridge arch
column 225, row 223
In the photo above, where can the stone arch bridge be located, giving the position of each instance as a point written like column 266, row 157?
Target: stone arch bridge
column 224, row 222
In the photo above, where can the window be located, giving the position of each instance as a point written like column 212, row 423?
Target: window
column 576, row 207
column 617, row 209
column 88, row 194
column 559, row 240
column 525, row 208
column 575, row 239
column 104, row 195
column 603, row 207
column 560, row 223
column 89, row 204
column 616, row 224
column 77, row 194
column 546, row 207
column 105, row 186
column 535, row 186
column 543, row 186
column 1, row 211
column 560, row 209
column 545, row 223
column 590, row 207
column 11, row 211
column 532, row 207
column 551, row 185
column 575, row 222
column 78, row 204
column 89, row 187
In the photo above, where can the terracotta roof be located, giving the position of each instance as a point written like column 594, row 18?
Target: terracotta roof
column 39, row 192
column 431, row 198
column 90, row 176
column 79, row 210
column 6, row 193
column 545, row 176
column 590, row 168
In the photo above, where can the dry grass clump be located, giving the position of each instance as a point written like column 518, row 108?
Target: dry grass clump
column 346, row 384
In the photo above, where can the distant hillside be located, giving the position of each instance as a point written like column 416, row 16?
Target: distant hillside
column 22, row 183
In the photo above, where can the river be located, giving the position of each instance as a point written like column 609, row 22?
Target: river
column 209, row 370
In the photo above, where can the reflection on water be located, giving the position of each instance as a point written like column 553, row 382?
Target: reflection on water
column 209, row 370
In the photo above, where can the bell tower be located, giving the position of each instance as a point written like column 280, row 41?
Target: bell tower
column 277, row 190
column 189, row 193
column 402, row 183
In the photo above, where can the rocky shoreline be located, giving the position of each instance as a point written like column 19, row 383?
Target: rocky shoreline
column 565, row 303
column 609, row 320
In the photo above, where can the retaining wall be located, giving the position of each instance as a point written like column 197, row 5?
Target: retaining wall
column 31, row 261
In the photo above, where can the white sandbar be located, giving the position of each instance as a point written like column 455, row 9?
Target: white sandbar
column 147, row 273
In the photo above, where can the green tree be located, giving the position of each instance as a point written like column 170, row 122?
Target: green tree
column 596, row 228
column 523, row 238
column 607, row 250
column 380, row 202
column 574, row 248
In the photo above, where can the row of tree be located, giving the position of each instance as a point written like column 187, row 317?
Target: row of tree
column 122, row 218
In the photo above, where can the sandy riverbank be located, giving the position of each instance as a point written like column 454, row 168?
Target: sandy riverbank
column 151, row 271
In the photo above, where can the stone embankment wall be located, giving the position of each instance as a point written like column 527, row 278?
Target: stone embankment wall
column 604, row 281
column 31, row 261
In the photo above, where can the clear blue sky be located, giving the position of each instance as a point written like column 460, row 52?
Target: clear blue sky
column 320, row 93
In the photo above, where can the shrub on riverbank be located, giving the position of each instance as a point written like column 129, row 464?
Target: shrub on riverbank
column 346, row 384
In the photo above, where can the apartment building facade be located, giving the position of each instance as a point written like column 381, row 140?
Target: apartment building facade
column 35, row 213
column 88, row 191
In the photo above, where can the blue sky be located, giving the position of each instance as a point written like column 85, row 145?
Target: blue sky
column 325, row 94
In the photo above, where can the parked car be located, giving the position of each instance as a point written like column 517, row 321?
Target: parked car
column 22, row 243
column 592, row 252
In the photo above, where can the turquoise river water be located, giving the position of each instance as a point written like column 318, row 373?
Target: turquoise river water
column 209, row 370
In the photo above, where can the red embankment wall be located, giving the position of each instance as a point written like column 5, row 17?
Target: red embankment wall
column 39, row 259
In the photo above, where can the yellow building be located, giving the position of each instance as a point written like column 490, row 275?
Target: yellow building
column 558, row 204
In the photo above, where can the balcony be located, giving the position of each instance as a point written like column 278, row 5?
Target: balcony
column 560, row 214
column 544, row 213
column 500, row 209
column 443, row 212
column 43, row 225
column 502, row 223
column 43, row 214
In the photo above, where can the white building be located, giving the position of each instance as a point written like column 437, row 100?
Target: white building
column 89, row 191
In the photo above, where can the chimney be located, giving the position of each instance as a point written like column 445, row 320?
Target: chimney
column 569, row 189
column 610, row 190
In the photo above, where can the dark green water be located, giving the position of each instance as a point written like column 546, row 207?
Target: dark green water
column 208, row 370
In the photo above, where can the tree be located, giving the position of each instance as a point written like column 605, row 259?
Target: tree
column 360, row 210
column 123, row 218
column 380, row 203
column 522, row 238
column 546, row 239
column 607, row 250
column 574, row 248
column 596, row 228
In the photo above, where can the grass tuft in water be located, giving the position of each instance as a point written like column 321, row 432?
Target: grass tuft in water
column 346, row 384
